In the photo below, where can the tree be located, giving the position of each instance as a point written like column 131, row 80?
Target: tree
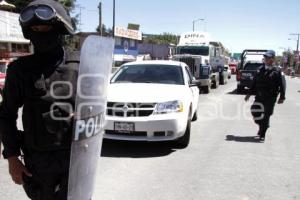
column 165, row 38
column 105, row 31
column 288, row 55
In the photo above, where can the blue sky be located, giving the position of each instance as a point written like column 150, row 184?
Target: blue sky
column 238, row 24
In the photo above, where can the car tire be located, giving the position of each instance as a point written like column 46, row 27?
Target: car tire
column 239, row 89
column 206, row 89
column 195, row 116
column 222, row 81
column 184, row 140
column 215, row 84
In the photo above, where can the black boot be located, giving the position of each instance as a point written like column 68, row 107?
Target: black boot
column 262, row 134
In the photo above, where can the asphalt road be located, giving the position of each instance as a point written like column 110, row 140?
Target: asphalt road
column 223, row 160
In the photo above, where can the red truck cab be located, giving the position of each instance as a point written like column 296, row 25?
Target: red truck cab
column 3, row 67
column 233, row 67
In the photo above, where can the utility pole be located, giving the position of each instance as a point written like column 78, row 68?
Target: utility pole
column 100, row 17
column 114, row 17
column 80, row 10
column 297, row 34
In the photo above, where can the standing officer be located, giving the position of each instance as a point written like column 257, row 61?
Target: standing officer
column 267, row 84
column 35, row 83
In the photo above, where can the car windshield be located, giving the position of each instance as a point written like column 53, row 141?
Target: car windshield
column 252, row 66
column 162, row 74
column 203, row 50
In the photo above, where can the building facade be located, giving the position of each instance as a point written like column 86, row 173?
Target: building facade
column 12, row 42
column 126, row 45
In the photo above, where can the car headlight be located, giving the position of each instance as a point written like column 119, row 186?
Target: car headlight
column 168, row 107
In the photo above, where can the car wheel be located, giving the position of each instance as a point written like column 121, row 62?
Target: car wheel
column 222, row 81
column 206, row 89
column 184, row 140
column 213, row 85
column 195, row 116
column 239, row 89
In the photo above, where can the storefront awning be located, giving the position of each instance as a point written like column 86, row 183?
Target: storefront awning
column 5, row 5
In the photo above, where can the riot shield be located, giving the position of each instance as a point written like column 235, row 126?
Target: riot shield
column 93, row 78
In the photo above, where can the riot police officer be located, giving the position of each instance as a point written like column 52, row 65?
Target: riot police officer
column 34, row 83
column 267, row 84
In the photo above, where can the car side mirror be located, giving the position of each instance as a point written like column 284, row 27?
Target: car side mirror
column 195, row 83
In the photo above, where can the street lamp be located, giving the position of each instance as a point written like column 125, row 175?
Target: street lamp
column 196, row 21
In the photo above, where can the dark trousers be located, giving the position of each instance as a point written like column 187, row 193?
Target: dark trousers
column 50, row 175
column 262, row 109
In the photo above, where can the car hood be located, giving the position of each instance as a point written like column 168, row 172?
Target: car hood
column 146, row 92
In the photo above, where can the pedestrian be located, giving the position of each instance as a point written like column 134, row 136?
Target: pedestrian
column 267, row 84
column 38, row 157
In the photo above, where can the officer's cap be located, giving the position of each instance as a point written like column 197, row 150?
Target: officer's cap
column 269, row 54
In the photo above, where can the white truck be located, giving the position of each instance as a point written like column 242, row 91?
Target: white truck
column 205, row 57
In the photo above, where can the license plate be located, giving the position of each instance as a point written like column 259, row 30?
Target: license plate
column 124, row 126
column 247, row 74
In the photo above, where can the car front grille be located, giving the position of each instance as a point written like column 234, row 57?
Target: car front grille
column 122, row 109
column 190, row 62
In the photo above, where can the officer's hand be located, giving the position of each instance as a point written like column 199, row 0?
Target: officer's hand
column 280, row 101
column 16, row 169
column 247, row 97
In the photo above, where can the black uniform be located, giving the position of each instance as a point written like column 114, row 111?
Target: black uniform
column 267, row 84
column 45, row 142
column 38, row 84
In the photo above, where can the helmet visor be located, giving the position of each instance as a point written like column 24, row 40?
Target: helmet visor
column 41, row 12
column 45, row 12
column 27, row 14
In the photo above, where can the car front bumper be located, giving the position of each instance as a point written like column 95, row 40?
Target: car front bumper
column 160, row 127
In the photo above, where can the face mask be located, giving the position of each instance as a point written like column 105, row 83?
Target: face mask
column 269, row 67
column 44, row 42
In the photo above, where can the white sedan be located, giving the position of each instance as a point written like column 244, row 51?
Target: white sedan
column 152, row 101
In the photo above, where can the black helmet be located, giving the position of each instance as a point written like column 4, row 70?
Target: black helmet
column 48, row 12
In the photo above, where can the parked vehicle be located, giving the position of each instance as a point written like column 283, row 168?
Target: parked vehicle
column 205, row 57
column 152, row 101
column 228, row 71
column 202, row 72
column 251, row 60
